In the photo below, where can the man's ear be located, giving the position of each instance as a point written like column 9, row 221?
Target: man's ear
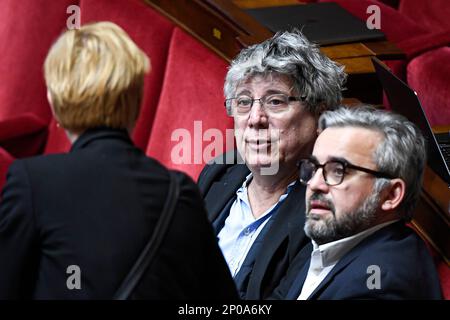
column 393, row 195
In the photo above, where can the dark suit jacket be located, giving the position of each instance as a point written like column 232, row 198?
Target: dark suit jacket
column 406, row 270
column 96, row 208
column 281, row 240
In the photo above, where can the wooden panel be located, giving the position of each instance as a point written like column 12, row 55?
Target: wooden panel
column 441, row 129
column 385, row 50
column 226, row 28
column 364, row 87
column 433, row 225
column 219, row 24
column 349, row 50
column 357, row 65
column 438, row 190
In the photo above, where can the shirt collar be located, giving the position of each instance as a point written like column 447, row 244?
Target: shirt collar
column 330, row 253
column 248, row 179
column 242, row 195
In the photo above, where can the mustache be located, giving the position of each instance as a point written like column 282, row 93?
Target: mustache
column 319, row 197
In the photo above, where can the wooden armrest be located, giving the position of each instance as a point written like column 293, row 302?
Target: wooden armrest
column 441, row 129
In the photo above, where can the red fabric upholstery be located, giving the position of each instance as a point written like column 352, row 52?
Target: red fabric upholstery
column 23, row 135
column 192, row 91
column 428, row 75
column 152, row 33
column 57, row 141
column 5, row 160
column 444, row 276
column 417, row 45
column 441, row 266
column 27, row 29
column 432, row 15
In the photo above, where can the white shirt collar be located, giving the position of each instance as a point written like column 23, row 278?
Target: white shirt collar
column 330, row 253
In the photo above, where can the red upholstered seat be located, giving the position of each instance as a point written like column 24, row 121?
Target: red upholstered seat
column 432, row 15
column 191, row 96
column 23, row 135
column 444, row 276
column 428, row 74
column 27, row 29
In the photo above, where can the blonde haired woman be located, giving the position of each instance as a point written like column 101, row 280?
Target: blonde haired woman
column 73, row 225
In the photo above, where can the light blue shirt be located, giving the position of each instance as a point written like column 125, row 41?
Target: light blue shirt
column 241, row 228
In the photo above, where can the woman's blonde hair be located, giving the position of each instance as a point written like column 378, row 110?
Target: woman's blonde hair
column 95, row 77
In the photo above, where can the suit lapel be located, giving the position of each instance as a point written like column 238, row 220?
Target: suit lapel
column 348, row 258
column 287, row 223
column 222, row 191
column 296, row 221
column 337, row 269
column 353, row 254
column 297, row 284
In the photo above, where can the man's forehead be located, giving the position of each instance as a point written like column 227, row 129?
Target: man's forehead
column 346, row 142
column 270, row 79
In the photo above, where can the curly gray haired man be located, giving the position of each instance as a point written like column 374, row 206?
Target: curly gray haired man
column 275, row 91
column 314, row 76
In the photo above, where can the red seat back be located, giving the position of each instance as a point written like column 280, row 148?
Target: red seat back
column 190, row 111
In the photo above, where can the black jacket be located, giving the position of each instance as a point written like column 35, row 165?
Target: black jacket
column 281, row 240
column 96, row 208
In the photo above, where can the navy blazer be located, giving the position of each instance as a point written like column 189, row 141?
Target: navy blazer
column 280, row 241
column 96, row 208
column 406, row 270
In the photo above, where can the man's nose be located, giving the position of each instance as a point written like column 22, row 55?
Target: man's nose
column 258, row 115
column 317, row 182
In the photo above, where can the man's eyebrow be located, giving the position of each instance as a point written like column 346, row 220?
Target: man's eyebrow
column 340, row 159
column 268, row 92
column 275, row 91
column 243, row 92
column 330, row 158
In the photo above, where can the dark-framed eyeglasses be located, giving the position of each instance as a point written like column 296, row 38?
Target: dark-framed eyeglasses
column 333, row 171
column 273, row 103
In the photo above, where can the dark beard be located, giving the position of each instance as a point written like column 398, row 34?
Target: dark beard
column 350, row 223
